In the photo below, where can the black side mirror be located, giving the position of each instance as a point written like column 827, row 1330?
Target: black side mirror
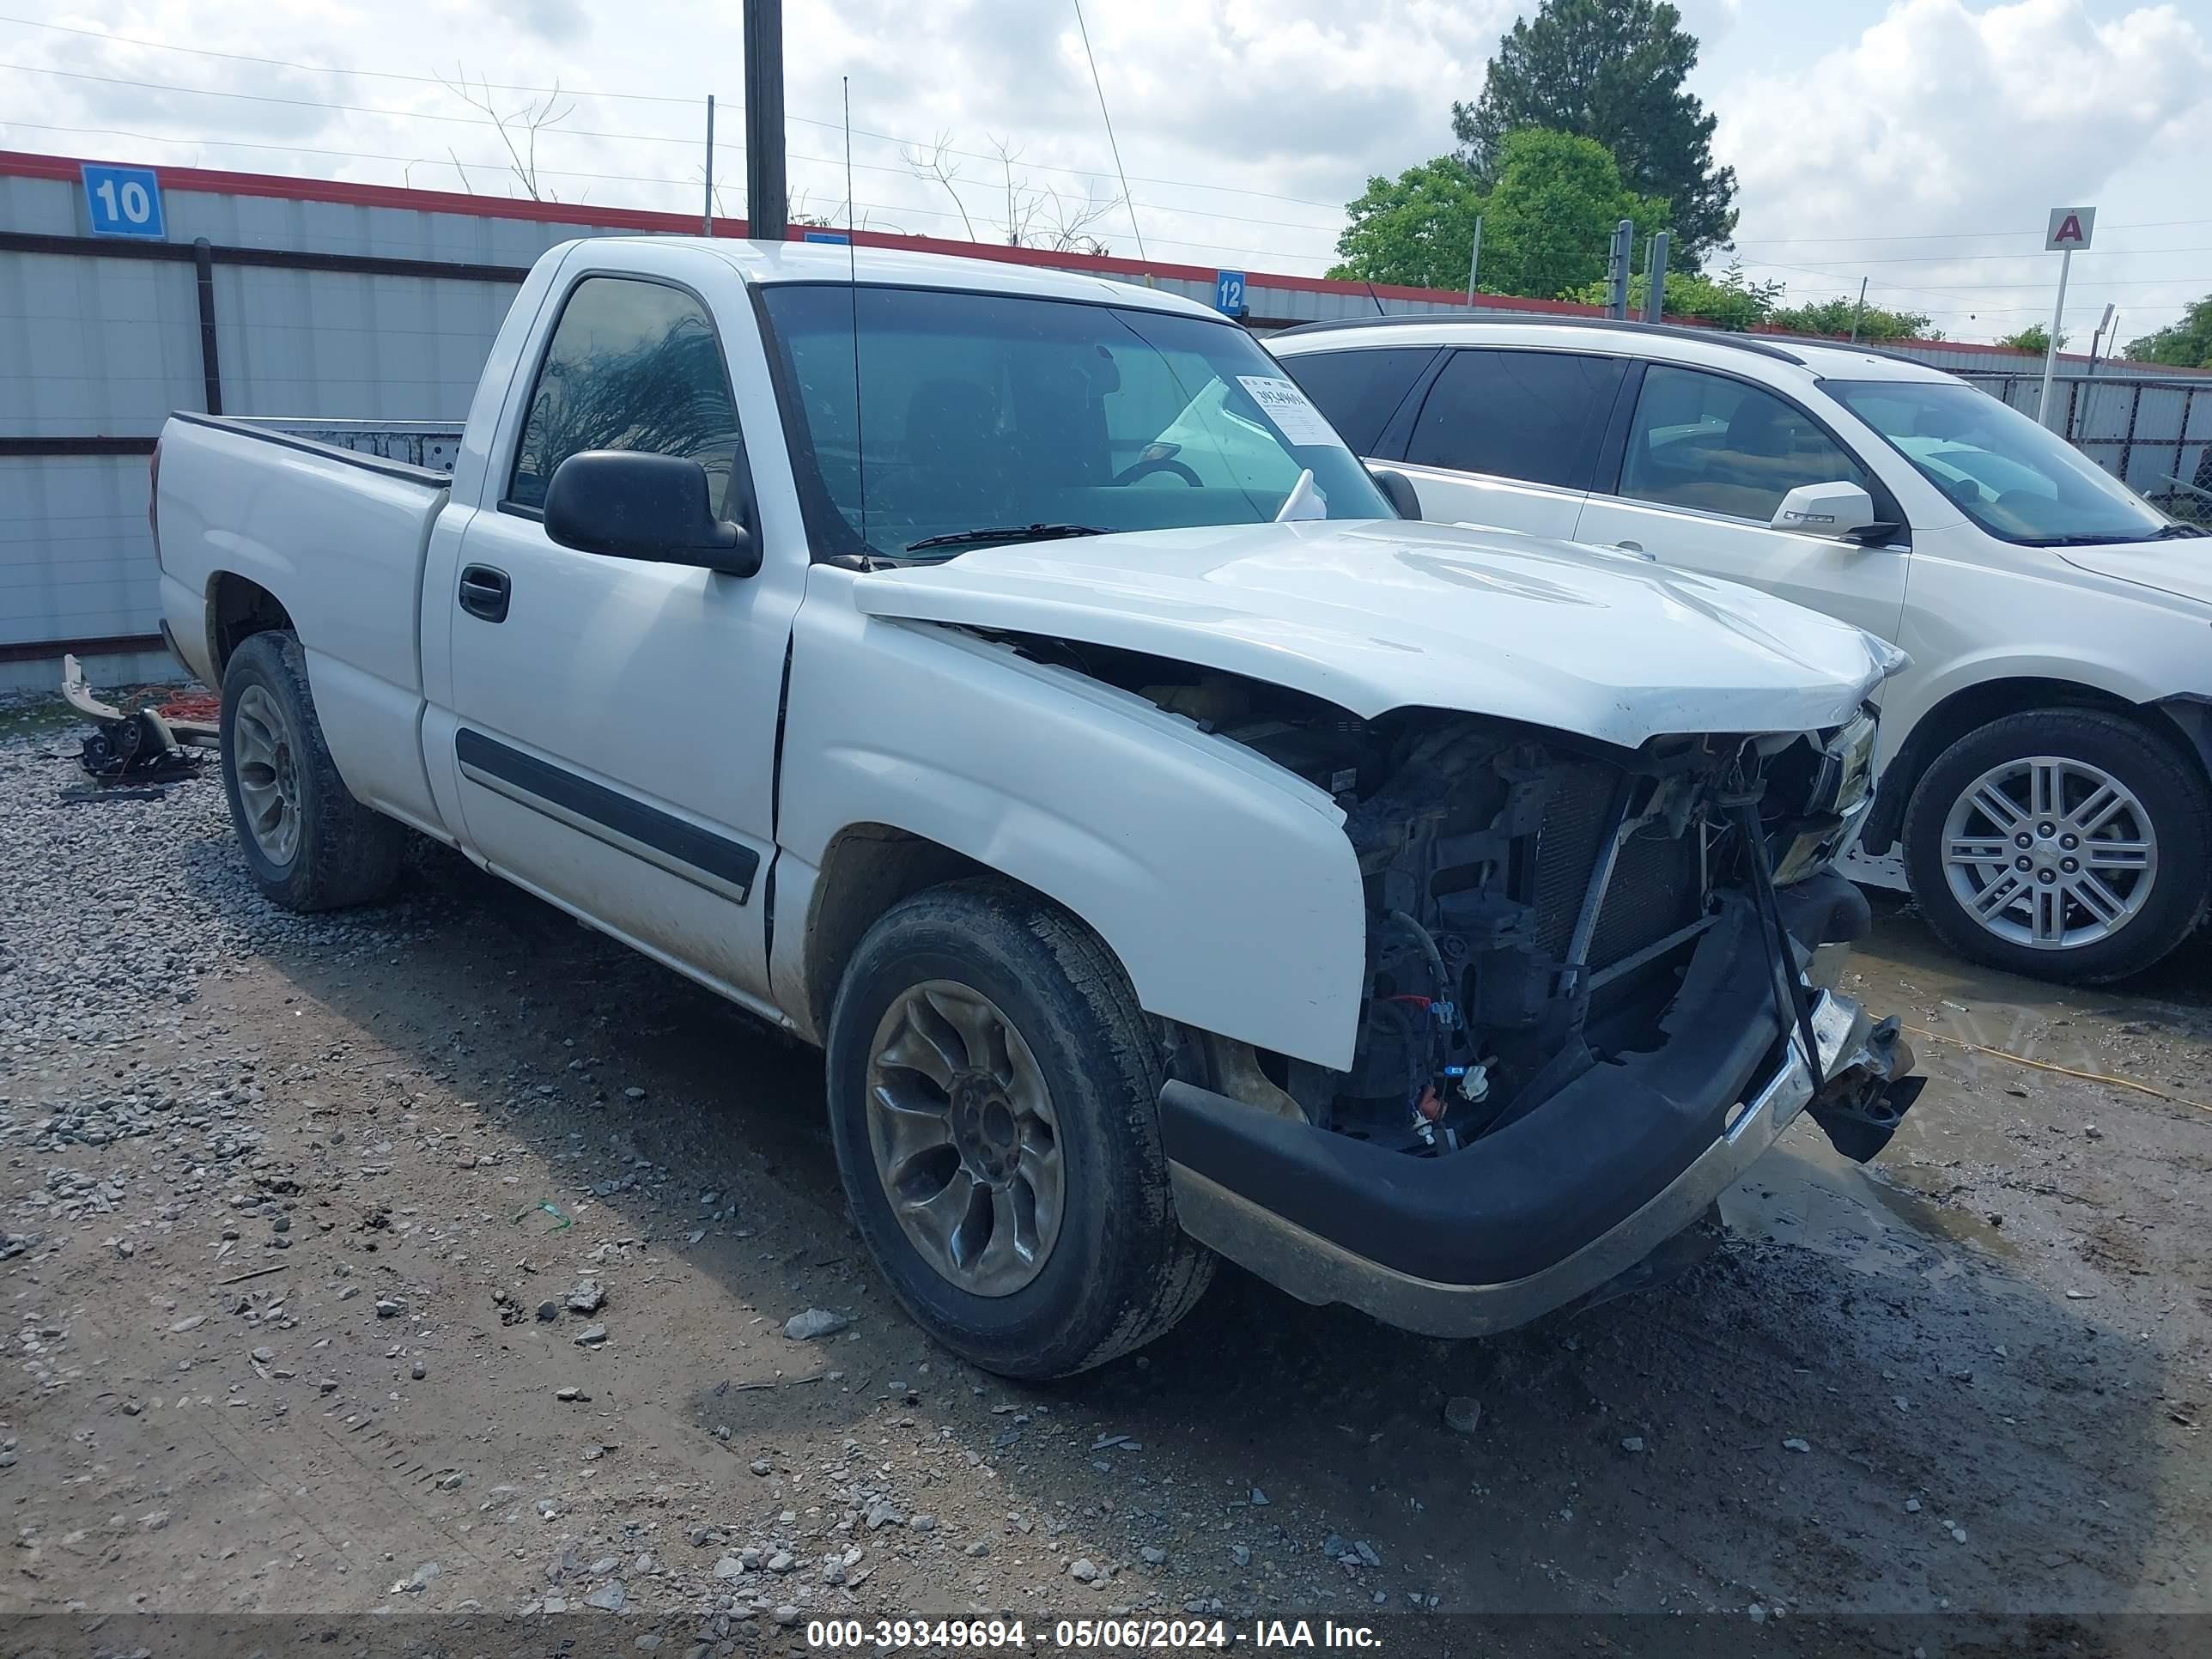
column 627, row 504
column 1399, row 489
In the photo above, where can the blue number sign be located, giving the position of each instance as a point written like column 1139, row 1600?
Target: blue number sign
column 1229, row 292
column 125, row 202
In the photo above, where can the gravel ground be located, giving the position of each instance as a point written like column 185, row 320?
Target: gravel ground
column 444, row 1256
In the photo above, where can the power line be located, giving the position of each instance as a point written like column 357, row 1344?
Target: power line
column 576, row 132
column 502, row 167
column 281, row 147
column 641, row 97
column 1099, row 87
column 1976, row 258
column 1981, row 287
column 318, row 103
column 314, row 69
column 1950, row 235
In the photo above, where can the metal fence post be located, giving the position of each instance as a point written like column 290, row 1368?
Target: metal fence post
column 210, row 359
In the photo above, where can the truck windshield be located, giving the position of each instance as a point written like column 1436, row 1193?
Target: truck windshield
column 2017, row 480
column 988, row 413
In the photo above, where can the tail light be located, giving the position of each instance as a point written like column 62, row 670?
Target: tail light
column 154, row 497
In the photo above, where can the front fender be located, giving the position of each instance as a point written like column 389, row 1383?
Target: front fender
column 1224, row 884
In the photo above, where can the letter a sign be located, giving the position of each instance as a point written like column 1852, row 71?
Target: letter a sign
column 2070, row 230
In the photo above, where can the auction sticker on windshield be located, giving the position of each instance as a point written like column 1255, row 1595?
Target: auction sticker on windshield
column 1286, row 406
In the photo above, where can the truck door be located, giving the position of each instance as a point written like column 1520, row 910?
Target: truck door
column 615, row 719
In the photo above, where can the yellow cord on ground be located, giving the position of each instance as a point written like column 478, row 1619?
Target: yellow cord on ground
column 2062, row 1071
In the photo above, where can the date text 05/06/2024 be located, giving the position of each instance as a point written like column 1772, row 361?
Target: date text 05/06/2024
column 1083, row 1635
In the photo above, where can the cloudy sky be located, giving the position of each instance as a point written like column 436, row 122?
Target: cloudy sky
column 1915, row 142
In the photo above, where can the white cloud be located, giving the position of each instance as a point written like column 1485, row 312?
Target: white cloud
column 1841, row 122
column 1942, row 120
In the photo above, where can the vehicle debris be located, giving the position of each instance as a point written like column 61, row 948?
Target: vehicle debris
column 140, row 747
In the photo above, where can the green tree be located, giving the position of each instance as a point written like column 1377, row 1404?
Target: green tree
column 1548, row 222
column 1730, row 300
column 2034, row 338
column 1416, row 229
column 1611, row 70
column 1835, row 317
column 2185, row 344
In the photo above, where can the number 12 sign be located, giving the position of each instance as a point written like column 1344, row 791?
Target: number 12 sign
column 123, row 202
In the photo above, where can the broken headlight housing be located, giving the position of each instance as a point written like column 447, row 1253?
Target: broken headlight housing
column 1842, row 790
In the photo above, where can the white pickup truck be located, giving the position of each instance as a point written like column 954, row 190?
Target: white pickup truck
column 1008, row 681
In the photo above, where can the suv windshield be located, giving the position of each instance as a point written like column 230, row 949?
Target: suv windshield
column 996, row 414
column 2017, row 480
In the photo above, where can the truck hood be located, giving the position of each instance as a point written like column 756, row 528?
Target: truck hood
column 2182, row 568
column 1377, row 616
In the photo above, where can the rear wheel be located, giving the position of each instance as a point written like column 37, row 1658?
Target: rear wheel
column 993, row 1102
column 2069, row 844
column 309, row 844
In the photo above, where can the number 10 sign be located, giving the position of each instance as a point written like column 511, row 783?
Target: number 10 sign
column 123, row 202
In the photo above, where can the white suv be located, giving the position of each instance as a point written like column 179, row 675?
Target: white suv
column 2045, row 758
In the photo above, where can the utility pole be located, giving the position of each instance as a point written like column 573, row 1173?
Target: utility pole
column 2103, row 337
column 1474, row 259
column 707, row 213
column 1858, row 312
column 1655, row 280
column 1623, row 249
column 767, row 201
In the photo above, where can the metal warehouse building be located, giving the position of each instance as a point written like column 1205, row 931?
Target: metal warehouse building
column 288, row 298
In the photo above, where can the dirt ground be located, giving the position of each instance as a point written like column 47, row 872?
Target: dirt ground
column 280, row 1202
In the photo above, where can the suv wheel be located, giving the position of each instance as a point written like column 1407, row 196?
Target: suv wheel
column 993, row 1096
column 2068, row 844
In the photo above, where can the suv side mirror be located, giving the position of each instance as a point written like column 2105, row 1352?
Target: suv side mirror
column 1843, row 511
column 628, row 504
column 1399, row 489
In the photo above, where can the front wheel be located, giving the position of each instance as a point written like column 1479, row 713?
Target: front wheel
column 994, row 1098
column 2063, row 843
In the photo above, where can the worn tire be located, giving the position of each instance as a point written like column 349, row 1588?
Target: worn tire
column 2163, row 778
column 346, row 853
column 1121, row 1270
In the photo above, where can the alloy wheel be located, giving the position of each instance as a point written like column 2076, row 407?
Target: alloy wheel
column 2049, row 853
column 961, row 1123
column 268, row 776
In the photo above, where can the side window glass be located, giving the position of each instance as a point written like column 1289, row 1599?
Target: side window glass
column 1535, row 416
column 1719, row 445
column 1359, row 390
column 631, row 365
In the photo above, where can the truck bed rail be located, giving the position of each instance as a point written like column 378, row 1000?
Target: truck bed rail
column 421, row 451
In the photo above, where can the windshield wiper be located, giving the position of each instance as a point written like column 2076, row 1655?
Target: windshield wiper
column 1009, row 532
column 2177, row 532
column 2081, row 541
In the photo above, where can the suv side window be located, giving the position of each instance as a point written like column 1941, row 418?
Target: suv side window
column 632, row 364
column 1535, row 416
column 1715, row 445
column 1359, row 390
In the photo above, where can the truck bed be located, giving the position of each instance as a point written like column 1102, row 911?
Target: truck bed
column 341, row 534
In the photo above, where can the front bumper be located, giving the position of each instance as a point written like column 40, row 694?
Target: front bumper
column 1546, row 1211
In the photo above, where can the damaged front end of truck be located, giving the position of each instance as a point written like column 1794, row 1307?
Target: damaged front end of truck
column 1592, row 999
column 1589, row 811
